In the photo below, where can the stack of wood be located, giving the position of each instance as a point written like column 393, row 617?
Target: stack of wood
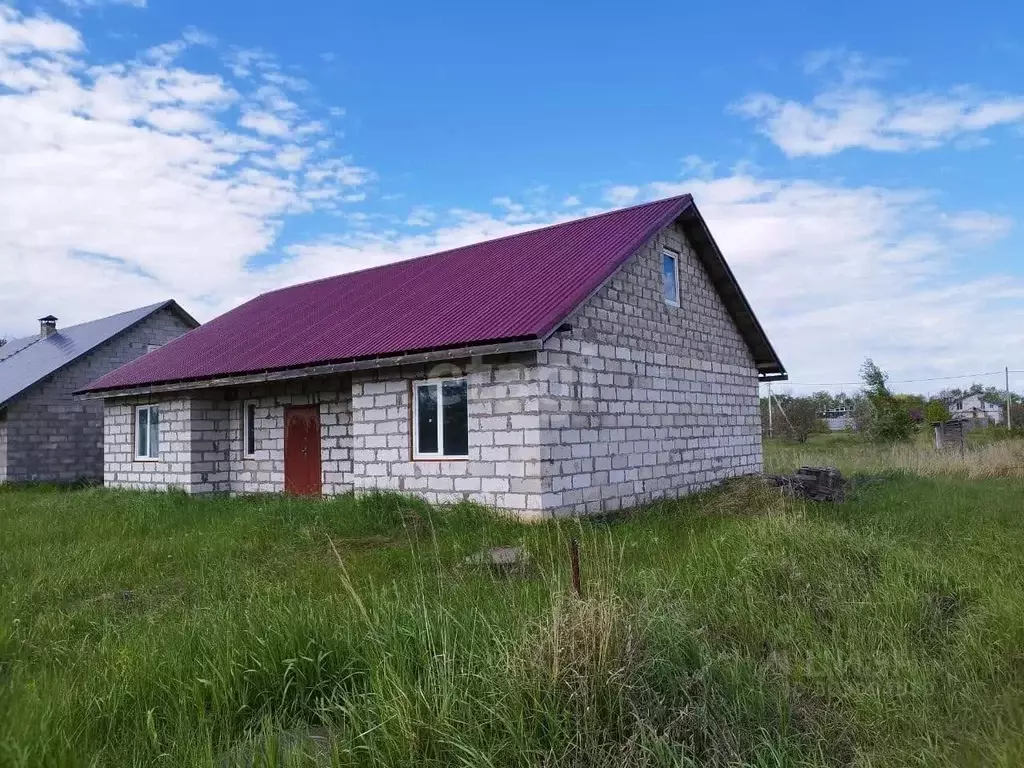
column 813, row 484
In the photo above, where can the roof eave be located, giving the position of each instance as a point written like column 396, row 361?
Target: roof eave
column 185, row 316
column 685, row 202
column 309, row 371
column 769, row 365
column 766, row 360
column 170, row 304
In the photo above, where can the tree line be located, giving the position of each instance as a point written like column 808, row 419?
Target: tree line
column 875, row 410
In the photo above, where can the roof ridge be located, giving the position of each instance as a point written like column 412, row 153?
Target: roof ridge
column 19, row 372
column 151, row 308
column 148, row 308
column 478, row 243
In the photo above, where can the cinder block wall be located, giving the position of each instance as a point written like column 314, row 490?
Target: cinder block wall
column 263, row 472
column 202, row 448
column 172, row 470
column 503, row 468
column 643, row 400
column 3, row 451
column 55, row 437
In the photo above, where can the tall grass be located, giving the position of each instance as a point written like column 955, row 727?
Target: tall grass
column 737, row 628
column 981, row 459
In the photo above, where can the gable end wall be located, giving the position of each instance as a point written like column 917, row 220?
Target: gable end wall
column 53, row 436
column 645, row 400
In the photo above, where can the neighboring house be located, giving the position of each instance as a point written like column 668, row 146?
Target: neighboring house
column 579, row 368
column 46, row 434
column 838, row 419
column 976, row 410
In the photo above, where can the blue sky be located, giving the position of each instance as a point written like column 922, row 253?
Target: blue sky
column 859, row 165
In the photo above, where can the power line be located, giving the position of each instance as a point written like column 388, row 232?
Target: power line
column 899, row 381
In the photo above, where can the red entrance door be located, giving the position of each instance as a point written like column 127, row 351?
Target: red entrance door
column 302, row 450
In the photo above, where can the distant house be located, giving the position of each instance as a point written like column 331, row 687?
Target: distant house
column 976, row 410
column 579, row 368
column 46, row 434
column 839, row 418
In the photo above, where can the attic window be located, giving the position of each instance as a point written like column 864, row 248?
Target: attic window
column 670, row 277
column 3, row 415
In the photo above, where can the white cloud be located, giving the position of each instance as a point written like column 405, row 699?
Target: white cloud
column 292, row 157
column 838, row 273
column 40, row 33
column 848, row 114
column 420, row 216
column 179, row 120
column 126, row 183
column 979, row 226
column 847, row 66
column 621, row 194
column 265, row 124
column 695, row 165
column 83, row 4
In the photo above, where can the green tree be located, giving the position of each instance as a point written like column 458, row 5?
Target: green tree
column 889, row 420
column 915, row 406
column 801, row 419
column 936, row 411
column 1017, row 415
column 823, row 400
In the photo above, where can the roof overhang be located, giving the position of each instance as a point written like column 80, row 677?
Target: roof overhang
column 170, row 305
column 313, row 371
column 766, row 360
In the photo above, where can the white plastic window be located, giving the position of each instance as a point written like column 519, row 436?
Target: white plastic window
column 440, row 419
column 147, row 432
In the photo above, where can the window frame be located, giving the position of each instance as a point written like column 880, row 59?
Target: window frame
column 438, row 385
column 248, row 423
column 149, row 408
column 675, row 268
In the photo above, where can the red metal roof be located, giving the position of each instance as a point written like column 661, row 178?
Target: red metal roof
column 517, row 287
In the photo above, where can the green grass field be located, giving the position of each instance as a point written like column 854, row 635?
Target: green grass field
column 737, row 628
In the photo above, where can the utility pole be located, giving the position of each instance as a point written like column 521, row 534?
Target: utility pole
column 1008, row 424
column 771, row 432
column 783, row 412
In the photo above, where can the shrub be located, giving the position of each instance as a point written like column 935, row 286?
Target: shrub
column 890, row 421
column 937, row 411
column 802, row 419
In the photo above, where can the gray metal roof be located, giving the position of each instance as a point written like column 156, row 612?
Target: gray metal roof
column 26, row 361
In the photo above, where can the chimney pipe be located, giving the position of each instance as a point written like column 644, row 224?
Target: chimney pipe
column 47, row 325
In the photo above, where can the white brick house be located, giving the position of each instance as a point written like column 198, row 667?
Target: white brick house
column 976, row 410
column 46, row 434
column 578, row 369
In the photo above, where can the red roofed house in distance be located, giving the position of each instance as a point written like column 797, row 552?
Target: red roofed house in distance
column 575, row 369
